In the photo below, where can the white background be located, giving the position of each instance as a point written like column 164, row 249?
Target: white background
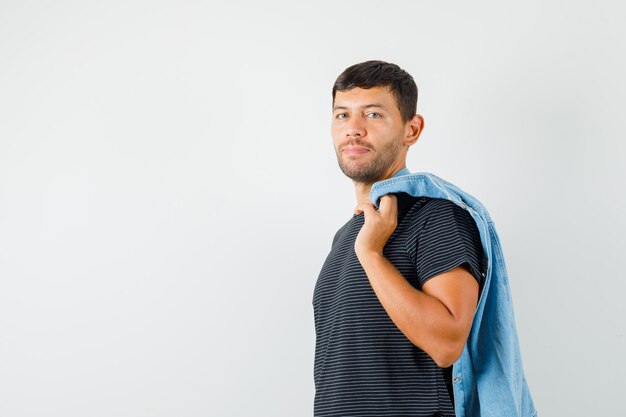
column 169, row 191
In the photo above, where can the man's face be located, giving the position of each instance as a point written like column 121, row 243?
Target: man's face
column 368, row 133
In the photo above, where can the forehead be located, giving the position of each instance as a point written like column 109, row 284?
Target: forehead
column 359, row 97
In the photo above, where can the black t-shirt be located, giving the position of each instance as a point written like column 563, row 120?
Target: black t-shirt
column 364, row 365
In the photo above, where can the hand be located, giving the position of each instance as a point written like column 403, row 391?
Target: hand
column 378, row 226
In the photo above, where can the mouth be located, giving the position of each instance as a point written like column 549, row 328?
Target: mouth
column 354, row 150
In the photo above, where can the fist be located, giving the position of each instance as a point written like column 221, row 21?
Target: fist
column 378, row 227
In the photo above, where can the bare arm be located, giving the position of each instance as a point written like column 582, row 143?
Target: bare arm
column 439, row 318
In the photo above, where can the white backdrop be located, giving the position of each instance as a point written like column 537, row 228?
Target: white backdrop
column 169, row 191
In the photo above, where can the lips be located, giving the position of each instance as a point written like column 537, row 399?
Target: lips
column 354, row 150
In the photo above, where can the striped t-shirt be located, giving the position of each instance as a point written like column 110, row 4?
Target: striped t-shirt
column 364, row 365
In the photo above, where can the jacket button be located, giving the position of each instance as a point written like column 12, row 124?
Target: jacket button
column 456, row 379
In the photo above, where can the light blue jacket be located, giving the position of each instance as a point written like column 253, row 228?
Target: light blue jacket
column 488, row 379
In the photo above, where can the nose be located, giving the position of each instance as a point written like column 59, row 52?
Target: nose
column 355, row 127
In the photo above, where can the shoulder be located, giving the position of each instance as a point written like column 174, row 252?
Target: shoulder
column 342, row 230
column 409, row 205
column 440, row 212
column 422, row 211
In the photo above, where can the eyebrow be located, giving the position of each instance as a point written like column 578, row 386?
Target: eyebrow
column 367, row 106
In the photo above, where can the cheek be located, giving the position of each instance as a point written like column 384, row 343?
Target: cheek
column 336, row 135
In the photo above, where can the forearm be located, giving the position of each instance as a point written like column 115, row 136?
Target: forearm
column 422, row 318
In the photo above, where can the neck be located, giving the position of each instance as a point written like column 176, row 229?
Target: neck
column 362, row 192
column 363, row 189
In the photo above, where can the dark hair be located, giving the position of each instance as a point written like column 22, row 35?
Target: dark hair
column 370, row 74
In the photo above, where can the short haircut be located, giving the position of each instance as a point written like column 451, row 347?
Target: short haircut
column 370, row 74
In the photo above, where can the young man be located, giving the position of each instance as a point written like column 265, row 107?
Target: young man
column 396, row 296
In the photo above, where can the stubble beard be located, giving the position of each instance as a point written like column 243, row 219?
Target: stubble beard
column 373, row 170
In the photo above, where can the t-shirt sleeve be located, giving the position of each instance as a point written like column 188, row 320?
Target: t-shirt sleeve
column 446, row 237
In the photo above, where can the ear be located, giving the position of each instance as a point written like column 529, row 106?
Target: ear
column 413, row 129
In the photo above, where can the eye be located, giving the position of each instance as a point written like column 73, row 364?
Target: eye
column 341, row 115
column 374, row 115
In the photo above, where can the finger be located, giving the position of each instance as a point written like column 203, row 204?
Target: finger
column 389, row 205
column 364, row 207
